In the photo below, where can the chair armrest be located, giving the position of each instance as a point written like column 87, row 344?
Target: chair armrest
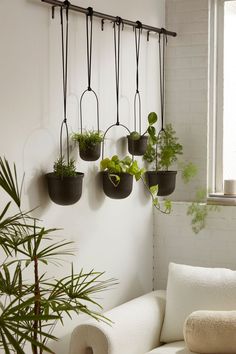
column 136, row 328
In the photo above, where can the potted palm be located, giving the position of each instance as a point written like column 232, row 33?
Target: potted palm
column 31, row 306
column 118, row 176
column 64, row 183
column 89, row 144
column 162, row 151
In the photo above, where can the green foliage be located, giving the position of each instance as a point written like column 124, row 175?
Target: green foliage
column 163, row 149
column 199, row 211
column 168, row 148
column 153, row 190
column 29, row 309
column 115, row 166
column 189, row 171
column 63, row 169
column 88, row 139
column 152, row 119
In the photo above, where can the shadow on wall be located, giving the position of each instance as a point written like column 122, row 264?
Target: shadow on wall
column 35, row 187
column 96, row 196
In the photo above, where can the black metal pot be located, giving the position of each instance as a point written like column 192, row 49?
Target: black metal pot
column 64, row 190
column 164, row 179
column 122, row 190
column 91, row 152
column 137, row 147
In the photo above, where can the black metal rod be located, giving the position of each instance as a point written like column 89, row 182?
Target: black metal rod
column 110, row 18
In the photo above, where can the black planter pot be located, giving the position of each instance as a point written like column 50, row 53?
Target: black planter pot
column 65, row 190
column 137, row 147
column 164, row 179
column 122, row 190
column 91, row 153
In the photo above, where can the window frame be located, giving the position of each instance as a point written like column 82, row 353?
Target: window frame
column 216, row 96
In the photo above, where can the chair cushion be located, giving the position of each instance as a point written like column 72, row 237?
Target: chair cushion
column 195, row 288
column 171, row 348
column 211, row 332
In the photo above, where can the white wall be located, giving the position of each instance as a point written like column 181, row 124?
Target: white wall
column 111, row 236
column 186, row 106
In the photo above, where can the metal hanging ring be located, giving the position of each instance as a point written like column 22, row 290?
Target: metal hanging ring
column 81, row 110
column 113, row 125
column 64, row 123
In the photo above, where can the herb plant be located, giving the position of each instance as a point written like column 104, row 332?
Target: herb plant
column 63, row 169
column 88, row 139
column 163, row 149
column 31, row 306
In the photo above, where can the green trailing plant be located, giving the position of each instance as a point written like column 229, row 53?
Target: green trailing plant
column 165, row 207
column 63, row 169
column 116, row 166
column 199, row 210
column 188, row 171
column 152, row 119
column 88, row 139
column 29, row 309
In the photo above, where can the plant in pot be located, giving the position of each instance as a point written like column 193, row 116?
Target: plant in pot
column 31, row 300
column 89, row 140
column 89, row 144
column 138, row 143
column 118, row 176
column 65, row 183
column 162, row 151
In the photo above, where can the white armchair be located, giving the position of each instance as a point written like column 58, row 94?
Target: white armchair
column 140, row 324
column 136, row 329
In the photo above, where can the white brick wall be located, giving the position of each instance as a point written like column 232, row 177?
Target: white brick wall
column 186, row 84
column 175, row 241
column 186, row 109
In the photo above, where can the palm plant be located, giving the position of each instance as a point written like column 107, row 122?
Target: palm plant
column 29, row 310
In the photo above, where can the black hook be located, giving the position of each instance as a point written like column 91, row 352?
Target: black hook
column 139, row 24
column 148, row 35
column 102, row 24
column 53, row 12
column 90, row 11
column 118, row 20
column 66, row 3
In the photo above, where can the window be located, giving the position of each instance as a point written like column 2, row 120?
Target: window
column 222, row 93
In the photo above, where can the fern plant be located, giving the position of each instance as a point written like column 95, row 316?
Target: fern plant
column 30, row 309
column 63, row 169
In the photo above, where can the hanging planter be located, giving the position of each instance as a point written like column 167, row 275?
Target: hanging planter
column 137, row 142
column 89, row 144
column 117, row 174
column 163, row 148
column 165, row 180
column 64, row 183
column 89, row 141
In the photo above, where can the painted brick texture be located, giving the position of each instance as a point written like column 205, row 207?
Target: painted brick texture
column 186, row 109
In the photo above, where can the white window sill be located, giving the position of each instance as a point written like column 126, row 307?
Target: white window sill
column 221, row 199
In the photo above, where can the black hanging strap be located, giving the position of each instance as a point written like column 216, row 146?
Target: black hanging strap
column 162, row 74
column 137, row 50
column 64, row 47
column 137, row 37
column 117, row 28
column 89, row 37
